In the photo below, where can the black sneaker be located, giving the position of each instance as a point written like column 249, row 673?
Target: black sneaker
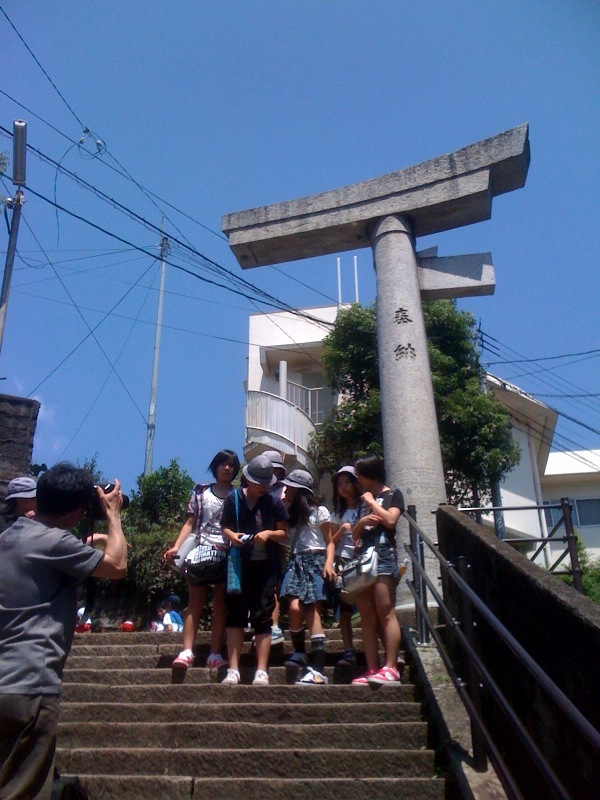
column 348, row 658
column 297, row 660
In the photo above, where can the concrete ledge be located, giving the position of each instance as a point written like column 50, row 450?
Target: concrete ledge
column 450, row 727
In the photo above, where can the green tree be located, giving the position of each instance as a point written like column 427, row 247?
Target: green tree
column 161, row 497
column 477, row 448
column 151, row 523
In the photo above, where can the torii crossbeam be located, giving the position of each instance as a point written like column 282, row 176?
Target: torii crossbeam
column 388, row 214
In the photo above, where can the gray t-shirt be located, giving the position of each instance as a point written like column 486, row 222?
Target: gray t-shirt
column 39, row 571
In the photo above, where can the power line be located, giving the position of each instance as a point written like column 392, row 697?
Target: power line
column 32, row 54
column 121, row 172
column 544, row 358
column 264, row 297
column 91, row 331
column 173, row 241
column 120, row 353
column 557, row 383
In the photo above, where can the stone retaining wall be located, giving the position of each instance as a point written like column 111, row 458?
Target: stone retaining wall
column 561, row 631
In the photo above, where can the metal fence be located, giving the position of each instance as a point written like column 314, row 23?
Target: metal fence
column 564, row 527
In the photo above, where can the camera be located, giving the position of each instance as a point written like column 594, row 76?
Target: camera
column 95, row 511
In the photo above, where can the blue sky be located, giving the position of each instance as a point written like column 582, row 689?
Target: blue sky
column 219, row 107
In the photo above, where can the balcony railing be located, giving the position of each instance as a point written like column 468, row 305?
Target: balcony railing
column 278, row 417
column 311, row 401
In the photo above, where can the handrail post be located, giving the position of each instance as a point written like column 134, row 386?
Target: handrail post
column 473, row 685
column 572, row 544
column 417, row 547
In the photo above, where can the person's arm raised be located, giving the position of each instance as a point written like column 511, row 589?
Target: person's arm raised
column 114, row 562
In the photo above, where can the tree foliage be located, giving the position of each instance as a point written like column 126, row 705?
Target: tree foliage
column 477, row 448
column 161, row 497
column 151, row 524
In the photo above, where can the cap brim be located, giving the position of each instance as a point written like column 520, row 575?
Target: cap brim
column 297, row 485
column 345, row 470
column 31, row 493
column 259, row 481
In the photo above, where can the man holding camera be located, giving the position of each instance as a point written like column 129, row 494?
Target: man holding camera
column 41, row 563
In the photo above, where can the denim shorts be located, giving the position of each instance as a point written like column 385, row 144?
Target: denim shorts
column 387, row 559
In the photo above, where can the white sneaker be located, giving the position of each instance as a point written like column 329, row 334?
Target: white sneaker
column 313, row 678
column 261, row 678
column 232, row 678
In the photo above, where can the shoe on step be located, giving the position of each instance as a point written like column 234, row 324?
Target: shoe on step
column 348, row 658
column 277, row 635
column 313, row 678
column 297, row 660
column 261, row 678
column 363, row 680
column 184, row 660
column 232, row 678
column 215, row 661
column 386, row 675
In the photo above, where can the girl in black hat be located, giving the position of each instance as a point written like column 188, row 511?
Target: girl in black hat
column 310, row 564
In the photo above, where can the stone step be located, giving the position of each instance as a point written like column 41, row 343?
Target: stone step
column 242, row 735
column 216, row 693
column 160, row 677
column 272, row 713
column 244, row 763
column 101, row 659
column 169, row 637
column 136, row 787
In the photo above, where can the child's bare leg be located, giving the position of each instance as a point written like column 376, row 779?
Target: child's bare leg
column 217, row 631
column 235, row 640
column 196, row 602
column 263, row 650
column 384, row 600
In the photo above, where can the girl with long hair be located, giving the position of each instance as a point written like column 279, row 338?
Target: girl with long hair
column 346, row 507
column 381, row 509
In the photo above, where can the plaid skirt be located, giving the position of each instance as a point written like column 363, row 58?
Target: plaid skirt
column 303, row 578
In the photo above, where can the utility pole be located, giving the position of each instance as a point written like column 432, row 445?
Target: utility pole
column 151, row 426
column 16, row 203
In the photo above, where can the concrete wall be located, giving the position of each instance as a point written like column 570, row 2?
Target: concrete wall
column 18, row 418
column 559, row 628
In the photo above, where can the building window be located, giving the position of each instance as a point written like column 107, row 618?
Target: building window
column 584, row 512
column 588, row 511
column 553, row 515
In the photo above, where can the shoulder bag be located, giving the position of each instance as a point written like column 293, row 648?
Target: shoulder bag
column 361, row 572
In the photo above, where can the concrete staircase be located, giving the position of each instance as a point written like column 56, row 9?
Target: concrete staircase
column 130, row 732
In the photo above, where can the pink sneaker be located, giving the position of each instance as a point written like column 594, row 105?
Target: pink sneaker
column 184, row 660
column 215, row 661
column 363, row 680
column 385, row 675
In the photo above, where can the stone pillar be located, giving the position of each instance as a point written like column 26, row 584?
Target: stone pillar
column 18, row 419
column 410, row 431
column 283, row 379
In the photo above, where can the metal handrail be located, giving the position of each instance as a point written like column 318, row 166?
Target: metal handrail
column 481, row 737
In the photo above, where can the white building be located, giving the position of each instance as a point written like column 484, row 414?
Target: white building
column 287, row 398
column 286, row 392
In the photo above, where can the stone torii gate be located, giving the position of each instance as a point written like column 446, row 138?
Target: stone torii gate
column 388, row 214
